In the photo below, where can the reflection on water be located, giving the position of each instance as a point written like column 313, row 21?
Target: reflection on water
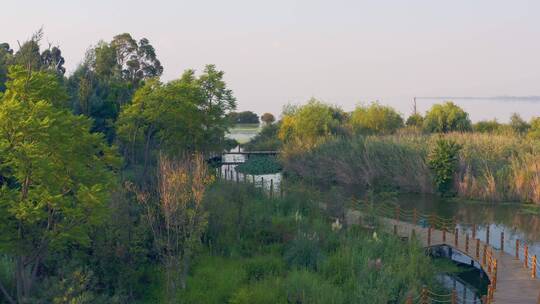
column 498, row 218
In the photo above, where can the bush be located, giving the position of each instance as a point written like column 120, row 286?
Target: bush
column 260, row 267
column 303, row 286
column 443, row 160
column 266, row 140
column 375, row 119
column 214, row 280
column 447, row 117
column 268, row 291
column 258, row 165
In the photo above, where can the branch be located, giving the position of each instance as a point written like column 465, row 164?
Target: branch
column 6, row 294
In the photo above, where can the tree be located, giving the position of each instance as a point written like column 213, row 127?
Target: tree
column 447, row 117
column 187, row 114
column 534, row 130
column 268, row 118
column 375, row 119
column 245, row 117
column 6, row 54
column 309, row 124
column 415, row 120
column 176, row 215
column 518, row 124
column 108, row 77
column 55, row 175
column 30, row 57
column 487, row 126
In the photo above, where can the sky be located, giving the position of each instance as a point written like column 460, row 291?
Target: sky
column 286, row 51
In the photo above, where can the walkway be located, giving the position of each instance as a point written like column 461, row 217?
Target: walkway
column 513, row 277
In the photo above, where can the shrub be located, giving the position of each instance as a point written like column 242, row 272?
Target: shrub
column 443, row 160
column 268, row 291
column 260, row 267
column 303, row 286
column 258, row 165
column 214, row 280
column 375, row 119
column 266, row 140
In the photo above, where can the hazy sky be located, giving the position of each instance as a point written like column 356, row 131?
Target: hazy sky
column 343, row 52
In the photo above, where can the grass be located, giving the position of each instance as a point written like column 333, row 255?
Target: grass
column 261, row 250
column 495, row 168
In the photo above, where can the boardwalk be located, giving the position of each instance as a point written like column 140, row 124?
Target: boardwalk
column 513, row 282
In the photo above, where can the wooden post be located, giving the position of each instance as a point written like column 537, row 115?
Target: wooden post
column 429, row 236
column 444, row 235
column 487, row 234
column 502, row 241
column 526, row 255
column 424, row 296
column 533, row 267
column 517, row 249
column 467, row 243
column 474, row 231
column 413, row 234
column 237, row 177
column 478, row 250
column 484, row 255
column 272, row 188
column 395, row 229
column 409, row 299
column 456, row 233
column 454, row 296
column 397, row 213
column 494, row 274
column 262, row 184
column 415, row 216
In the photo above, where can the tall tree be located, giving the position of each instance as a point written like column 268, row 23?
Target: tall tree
column 376, row 119
column 187, row 114
column 30, row 56
column 55, row 175
column 108, row 77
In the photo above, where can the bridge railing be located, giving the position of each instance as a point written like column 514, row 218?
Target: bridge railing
column 451, row 226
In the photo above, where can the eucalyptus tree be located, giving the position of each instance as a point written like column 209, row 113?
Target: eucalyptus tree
column 109, row 75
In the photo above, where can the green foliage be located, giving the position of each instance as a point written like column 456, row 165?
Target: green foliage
column 6, row 54
column 443, row 160
column 487, row 126
column 258, row 165
column 268, row 291
column 260, row 267
column 375, row 119
column 415, row 120
column 187, row 114
column 447, row 117
column 519, row 125
column 245, row 117
column 266, row 140
column 307, row 287
column 55, row 175
column 214, row 280
column 311, row 123
column 534, row 131
column 304, row 251
column 108, row 77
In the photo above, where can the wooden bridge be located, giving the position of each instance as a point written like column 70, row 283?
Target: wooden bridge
column 513, row 276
